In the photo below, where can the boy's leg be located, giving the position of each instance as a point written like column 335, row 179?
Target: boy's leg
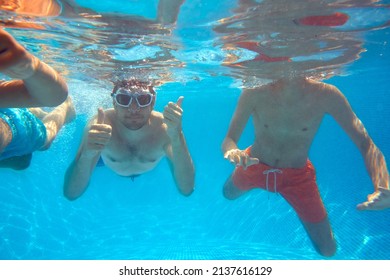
column 302, row 193
column 56, row 119
column 321, row 236
column 16, row 162
column 5, row 135
column 38, row 112
column 230, row 191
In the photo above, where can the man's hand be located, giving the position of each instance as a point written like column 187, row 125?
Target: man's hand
column 379, row 200
column 173, row 117
column 15, row 61
column 240, row 158
column 99, row 134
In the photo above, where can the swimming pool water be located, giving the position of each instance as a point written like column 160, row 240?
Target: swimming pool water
column 148, row 219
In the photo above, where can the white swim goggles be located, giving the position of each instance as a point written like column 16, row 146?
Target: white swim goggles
column 123, row 97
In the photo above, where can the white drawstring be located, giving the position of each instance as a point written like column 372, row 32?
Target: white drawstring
column 274, row 171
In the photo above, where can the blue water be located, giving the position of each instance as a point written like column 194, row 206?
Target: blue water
column 148, row 219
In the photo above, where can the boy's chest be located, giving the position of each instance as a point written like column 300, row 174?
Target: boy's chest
column 294, row 116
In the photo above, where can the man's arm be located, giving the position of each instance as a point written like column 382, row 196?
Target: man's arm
column 181, row 164
column 239, row 120
column 340, row 109
column 36, row 84
column 177, row 151
column 79, row 172
column 78, row 175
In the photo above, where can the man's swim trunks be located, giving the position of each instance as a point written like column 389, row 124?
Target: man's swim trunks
column 297, row 185
column 28, row 132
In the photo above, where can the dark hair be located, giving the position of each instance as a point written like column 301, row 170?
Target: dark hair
column 133, row 83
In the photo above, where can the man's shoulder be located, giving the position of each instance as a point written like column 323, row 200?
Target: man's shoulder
column 109, row 112
column 156, row 117
column 157, row 127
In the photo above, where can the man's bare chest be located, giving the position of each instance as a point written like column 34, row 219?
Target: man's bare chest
column 134, row 151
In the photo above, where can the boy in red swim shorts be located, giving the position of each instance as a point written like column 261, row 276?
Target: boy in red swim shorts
column 287, row 114
column 297, row 185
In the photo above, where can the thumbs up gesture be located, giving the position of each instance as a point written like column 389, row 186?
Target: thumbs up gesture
column 99, row 133
column 173, row 117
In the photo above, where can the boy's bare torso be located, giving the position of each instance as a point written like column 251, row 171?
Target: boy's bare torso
column 286, row 119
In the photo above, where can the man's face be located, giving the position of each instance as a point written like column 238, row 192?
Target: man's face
column 133, row 107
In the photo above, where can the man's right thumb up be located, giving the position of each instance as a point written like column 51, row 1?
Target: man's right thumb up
column 100, row 116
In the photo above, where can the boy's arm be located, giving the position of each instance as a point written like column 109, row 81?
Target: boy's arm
column 36, row 84
column 342, row 112
column 239, row 120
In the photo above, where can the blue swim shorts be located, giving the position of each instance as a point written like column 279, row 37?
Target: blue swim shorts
column 28, row 132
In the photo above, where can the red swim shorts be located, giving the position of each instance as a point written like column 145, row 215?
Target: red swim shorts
column 297, row 185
